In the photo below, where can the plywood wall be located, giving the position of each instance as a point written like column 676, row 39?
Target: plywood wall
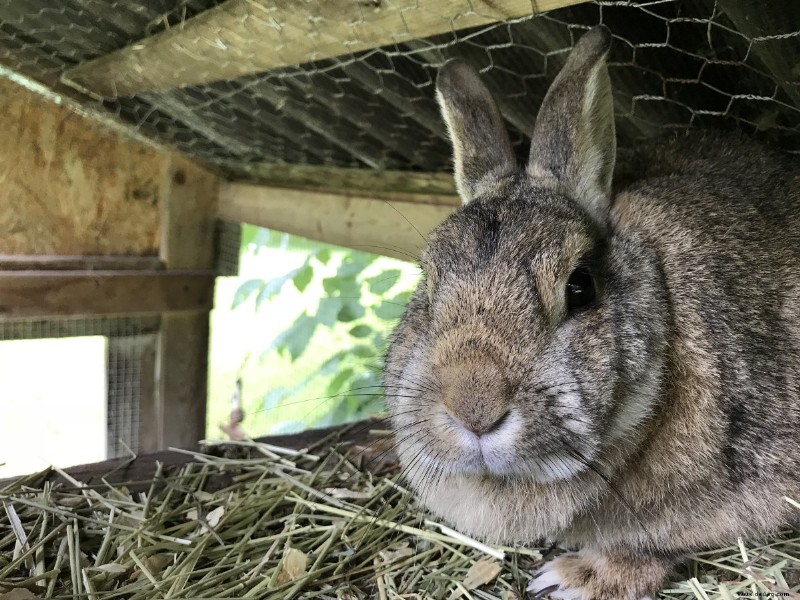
column 69, row 186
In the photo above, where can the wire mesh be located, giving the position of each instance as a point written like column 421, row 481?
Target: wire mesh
column 129, row 366
column 675, row 64
column 228, row 241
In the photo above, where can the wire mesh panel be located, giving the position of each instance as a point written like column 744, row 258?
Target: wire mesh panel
column 674, row 65
column 129, row 368
column 228, row 239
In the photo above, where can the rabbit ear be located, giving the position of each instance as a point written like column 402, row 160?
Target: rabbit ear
column 573, row 146
column 483, row 152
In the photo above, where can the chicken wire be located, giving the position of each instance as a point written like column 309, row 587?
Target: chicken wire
column 674, row 65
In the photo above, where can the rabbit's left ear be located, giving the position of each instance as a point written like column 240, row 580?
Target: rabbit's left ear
column 573, row 147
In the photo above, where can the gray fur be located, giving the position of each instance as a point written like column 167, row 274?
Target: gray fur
column 662, row 419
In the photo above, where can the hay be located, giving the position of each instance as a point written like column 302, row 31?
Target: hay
column 286, row 525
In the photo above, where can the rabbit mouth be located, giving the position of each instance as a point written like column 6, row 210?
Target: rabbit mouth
column 497, row 454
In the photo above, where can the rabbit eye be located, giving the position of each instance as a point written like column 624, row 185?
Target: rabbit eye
column 580, row 288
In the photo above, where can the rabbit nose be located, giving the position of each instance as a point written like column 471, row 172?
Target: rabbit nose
column 481, row 426
column 475, row 395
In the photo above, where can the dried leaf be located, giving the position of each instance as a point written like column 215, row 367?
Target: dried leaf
column 157, row 563
column 215, row 515
column 203, row 496
column 107, row 572
column 483, row 571
column 114, row 568
column 71, row 501
column 391, row 555
column 293, row 566
column 344, row 493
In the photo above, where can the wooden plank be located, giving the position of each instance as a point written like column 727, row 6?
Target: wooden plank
column 45, row 262
column 137, row 473
column 411, row 186
column 58, row 293
column 242, row 37
column 71, row 186
column 188, row 223
column 359, row 221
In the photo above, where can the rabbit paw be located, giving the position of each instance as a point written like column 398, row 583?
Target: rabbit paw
column 587, row 575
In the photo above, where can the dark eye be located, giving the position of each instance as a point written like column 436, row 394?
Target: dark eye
column 580, row 288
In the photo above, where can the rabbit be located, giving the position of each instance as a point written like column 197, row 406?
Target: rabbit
column 616, row 371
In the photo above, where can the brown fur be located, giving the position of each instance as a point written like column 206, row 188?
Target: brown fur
column 661, row 418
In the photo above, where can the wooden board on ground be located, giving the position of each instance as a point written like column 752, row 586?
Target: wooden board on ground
column 366, row 439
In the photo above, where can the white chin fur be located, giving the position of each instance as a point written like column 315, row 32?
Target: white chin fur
column 495, row 454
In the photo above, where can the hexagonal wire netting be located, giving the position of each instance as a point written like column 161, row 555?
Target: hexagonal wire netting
column 674, row 65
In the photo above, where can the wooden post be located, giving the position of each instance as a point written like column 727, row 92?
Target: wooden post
column 188, row 214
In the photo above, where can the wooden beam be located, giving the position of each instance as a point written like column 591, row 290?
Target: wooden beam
column 242, row 37
column 411, row 186
column 395, row 228
column 188, row 218
column 58, row 293
column 45, row 262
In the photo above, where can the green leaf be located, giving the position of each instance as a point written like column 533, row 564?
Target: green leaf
column 350, row 311
column 294, row 340
column 272, row 287
column 247, row 236
column 388, row 311
column 328, row 309
column 363, row 351
column 402, row 298
column 347, row 287
column 245, row 290
column 360, row 331
column 273, row 398
column 354, row 263
column 303, row 277
column 338, row 382
column 301, row 332
column 324, row 255
column 380, row 284
column 379, row 341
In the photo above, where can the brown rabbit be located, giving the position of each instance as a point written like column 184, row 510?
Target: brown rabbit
column 617, row 373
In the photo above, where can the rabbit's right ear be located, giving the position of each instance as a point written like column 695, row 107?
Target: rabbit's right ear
column 483, row 152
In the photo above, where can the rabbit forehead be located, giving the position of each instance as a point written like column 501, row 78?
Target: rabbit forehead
column 537, row 228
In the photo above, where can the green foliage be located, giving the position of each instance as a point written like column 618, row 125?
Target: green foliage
column 350, row 303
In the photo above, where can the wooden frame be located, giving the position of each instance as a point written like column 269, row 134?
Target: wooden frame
column 67, row 293
column 396, row 227
column 188, row 217
column 100, row 184
column 240, row 37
